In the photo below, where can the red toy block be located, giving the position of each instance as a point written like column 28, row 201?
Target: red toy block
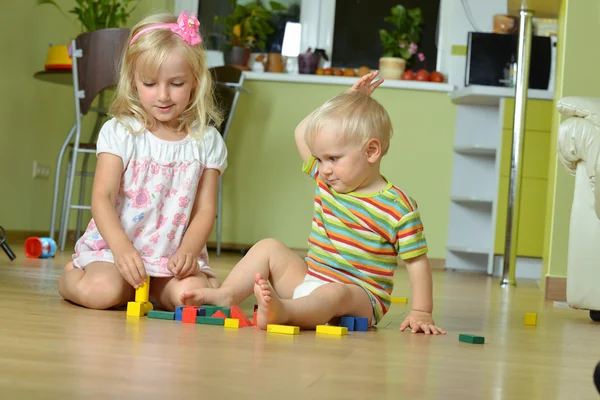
column 237, row 313
column 255, row 318
column 219, row 314
column 189, row 315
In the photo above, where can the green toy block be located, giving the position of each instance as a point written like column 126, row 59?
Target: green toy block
column 161, row 315
column 210, row 310
column 463, row 337
column 210, row 321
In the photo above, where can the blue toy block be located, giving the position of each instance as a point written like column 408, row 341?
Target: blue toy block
column 179, row 313
column 361, row 324
column 348, row 322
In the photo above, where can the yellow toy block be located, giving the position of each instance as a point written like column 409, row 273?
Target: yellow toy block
column 400, row 300
column 531, row 319
column 138, row 309
column 232, row 323
column 142, row 293
column 284, row 329
column 332, row 330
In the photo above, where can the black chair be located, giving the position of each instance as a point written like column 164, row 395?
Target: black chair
column 95, row 58
column 228, row 83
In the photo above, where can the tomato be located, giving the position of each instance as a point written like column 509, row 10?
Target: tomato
column 436, row 77
column 422, row 75
column 408, row 75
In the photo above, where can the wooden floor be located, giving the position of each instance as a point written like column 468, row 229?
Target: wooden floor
column 52, row 349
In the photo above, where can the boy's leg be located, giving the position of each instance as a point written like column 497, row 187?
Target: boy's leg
column 271, row 259
column 318, row 308
column 167, row 291
column 99, row 286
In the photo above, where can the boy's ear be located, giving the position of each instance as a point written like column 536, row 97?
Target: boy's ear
column 374, row 150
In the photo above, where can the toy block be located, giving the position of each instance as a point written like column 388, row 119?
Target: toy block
column 348, row 322
column 179, row 312
column 225, row 310
column 255, row 318
column 142, row 293
column 332, row 330
column 210, row 321
column 200, row 312
column 161, row 315
column 361, row 324
column 283, row 329
column 219, row 314
column 531, row 319
column 463, row 337
column 400, row 300
column 138, row 309
column 255, row 307
column 189, row 315
column 232, row 323
column 237, row 313
column 210, row 310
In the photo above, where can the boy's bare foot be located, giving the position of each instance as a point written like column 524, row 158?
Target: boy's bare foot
column 69, row 267
column 199, row 297
column 270, row 307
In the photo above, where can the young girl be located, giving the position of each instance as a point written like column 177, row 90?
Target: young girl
column 362, row 223
column 157, row 173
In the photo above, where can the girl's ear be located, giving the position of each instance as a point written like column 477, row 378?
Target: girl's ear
column 373, row 150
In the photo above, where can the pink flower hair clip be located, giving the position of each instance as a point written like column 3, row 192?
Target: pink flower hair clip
column 186, row 27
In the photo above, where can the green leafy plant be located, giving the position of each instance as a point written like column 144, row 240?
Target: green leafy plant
column 99, row 14
column 403, row 40
column 248, row 25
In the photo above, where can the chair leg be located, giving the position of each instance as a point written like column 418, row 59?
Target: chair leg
column 73, row 167
column 219, row 214
column 65, row 204
column 61, row 154
column 81, row 194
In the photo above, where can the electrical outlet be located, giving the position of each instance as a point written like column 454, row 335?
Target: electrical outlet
column 40, row 171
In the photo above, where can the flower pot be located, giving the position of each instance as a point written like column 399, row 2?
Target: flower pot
column 391, row 67
column 238, row 55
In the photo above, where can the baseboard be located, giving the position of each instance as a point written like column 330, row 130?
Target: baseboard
column 18, row 237
column 556, row 288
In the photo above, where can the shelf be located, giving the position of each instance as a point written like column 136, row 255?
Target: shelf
column 346, row 81
column 540, row 8
column 470, row 199
column 469, row 250
column 491, row 95
column 59, row 77
column 475, row 150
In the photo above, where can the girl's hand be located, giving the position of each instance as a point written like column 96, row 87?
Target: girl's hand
column 130, row 266
column 366, row 84
column 183, row 264
column 421, row 321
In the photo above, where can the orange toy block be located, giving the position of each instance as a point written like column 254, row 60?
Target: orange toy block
column 188, row 315
column 237, row 313
column 219, row 314
column 255, row 318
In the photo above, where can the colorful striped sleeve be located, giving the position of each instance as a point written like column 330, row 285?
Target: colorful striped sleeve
column 311, row 167
column 410, row 240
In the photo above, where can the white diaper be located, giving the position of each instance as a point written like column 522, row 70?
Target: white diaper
column 309, row 284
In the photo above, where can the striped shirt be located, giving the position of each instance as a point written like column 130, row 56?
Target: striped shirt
column 356, row 238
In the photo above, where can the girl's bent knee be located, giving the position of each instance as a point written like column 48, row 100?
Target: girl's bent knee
column 101, row 292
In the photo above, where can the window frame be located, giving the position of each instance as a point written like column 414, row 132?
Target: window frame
column 318, row 25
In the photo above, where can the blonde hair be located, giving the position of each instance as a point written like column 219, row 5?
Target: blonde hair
column 152, row 48
column 361, row 116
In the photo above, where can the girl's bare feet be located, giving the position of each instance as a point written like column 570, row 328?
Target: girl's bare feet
column 69, row 266
column 270, row 308
column 199, row 297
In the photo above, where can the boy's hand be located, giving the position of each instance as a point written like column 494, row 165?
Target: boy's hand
column 366, row 84
column 183, row 264
column 421, row 321
column 130, row 266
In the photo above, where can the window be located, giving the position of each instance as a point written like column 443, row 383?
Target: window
column 356, row 31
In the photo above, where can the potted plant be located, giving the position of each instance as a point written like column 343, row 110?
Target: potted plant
column 246, row 28
column 401, row 43
column 99, row 14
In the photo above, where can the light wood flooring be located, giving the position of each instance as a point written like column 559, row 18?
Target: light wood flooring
column 50, row 348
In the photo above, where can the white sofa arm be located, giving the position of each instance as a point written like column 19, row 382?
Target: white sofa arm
column 579, row 138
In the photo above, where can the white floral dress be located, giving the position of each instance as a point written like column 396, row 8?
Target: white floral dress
column 158, row 188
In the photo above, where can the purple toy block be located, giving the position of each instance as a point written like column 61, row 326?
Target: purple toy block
column 201, row 312
column 361, row 324
column 348, row 322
